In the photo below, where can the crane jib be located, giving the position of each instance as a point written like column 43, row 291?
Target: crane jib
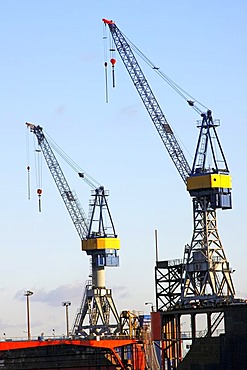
column 152, row 106
column 70, row 199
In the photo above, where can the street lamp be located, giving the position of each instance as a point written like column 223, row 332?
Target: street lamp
column 27, row 294
column 66, row 305
column 152, row 306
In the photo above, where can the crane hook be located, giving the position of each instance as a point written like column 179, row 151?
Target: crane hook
column 113, row 62
column 106, row 85
column 28, row 182
column 39, row 192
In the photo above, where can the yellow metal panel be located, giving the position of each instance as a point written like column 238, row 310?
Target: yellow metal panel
column 198, row 182
column 209, row 181
column 226, row 181
column 100, row 243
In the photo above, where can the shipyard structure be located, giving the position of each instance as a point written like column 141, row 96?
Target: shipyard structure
column 198, row 287
column 196, row 322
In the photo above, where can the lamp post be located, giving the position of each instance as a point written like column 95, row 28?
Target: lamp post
column 151, row 304
column 27, row 294
column 66, row 305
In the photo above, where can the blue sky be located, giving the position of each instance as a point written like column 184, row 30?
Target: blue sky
column 52, row 74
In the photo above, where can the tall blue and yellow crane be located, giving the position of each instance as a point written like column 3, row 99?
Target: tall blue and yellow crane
column 97, row 313
column 205, row 274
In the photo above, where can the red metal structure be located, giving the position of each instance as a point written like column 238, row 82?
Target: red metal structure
column 71, row 354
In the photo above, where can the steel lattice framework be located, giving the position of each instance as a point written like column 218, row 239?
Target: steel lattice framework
column 150, row 102
column 168, row 275
column 69, row 197
column 97, row 301
column 214, row 281
column 207, row 273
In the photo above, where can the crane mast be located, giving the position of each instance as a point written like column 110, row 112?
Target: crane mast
column 99, row 240
column 205, row 275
